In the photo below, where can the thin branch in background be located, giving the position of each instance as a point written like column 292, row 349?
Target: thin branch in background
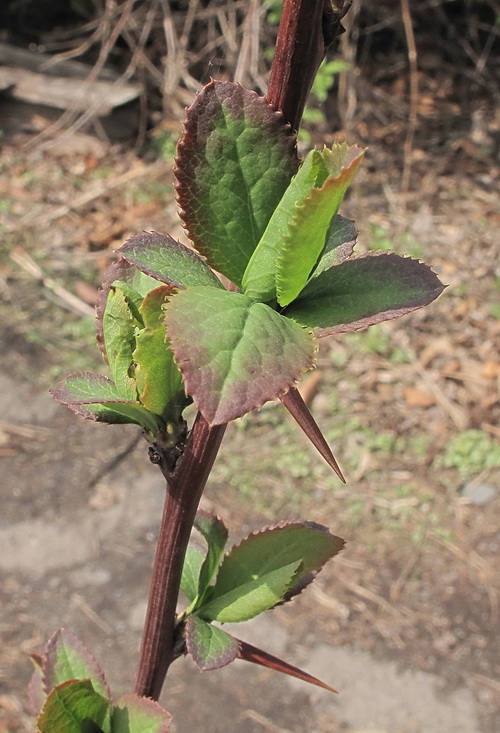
column 346, row 96
column 115, row 461
column 62, row 296
column 412, row 118
column 70, row 117
column 247, row 68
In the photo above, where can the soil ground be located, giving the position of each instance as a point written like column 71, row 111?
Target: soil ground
column 405, row 622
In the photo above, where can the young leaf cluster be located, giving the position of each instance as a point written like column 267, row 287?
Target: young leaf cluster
column 70, row 689
column 274, row 232
column 146, row 386
column 266, row 569
column 272, row 229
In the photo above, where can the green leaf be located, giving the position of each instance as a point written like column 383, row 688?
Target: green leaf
column 119, row 340
column 339, row 246
column 300, row 222
column 259, row 280
column 234, row 162
column 159, row 381
column 66, row 658
column 131, row 281
column 248, row 595
column 308, row 543
column 307, row 232
column 73, row 707
column 363, row 291
column 215, row 533
column 190, row 579
column 234, row 354
column 161, row 257
column 94, row 396
column 134, row 714
column 210, row 647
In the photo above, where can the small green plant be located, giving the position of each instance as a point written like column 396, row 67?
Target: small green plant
column 173, row 333
column 323, row 82
column 470, row 452
column 164, row 145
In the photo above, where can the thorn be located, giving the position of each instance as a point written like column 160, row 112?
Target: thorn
column 301, row 414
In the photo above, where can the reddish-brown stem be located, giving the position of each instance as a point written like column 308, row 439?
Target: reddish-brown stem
column 306, row 28
column 184, row 489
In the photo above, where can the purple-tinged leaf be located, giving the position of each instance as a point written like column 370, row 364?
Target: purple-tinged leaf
column 159, row 381
column 66, row 658
column 299, row 586
column 299, row 547
column 95, row 397
column 170, row 262
column 73, row 707
column 275, row 546
column 87, row 388
column 309, row 227
column 124, row 273
column 248, row 596
column 190, row 580
column 234, row 162
column 215, row 533
column 212, row 528
column 298, row 409
column 36, row 691
column 234, row 354
column 364, row 291
column 134, row 714
column 339, row 246
column 119, row 328
column 296, row 233
column 210, row 646
column 251, row 653
column 259, row 280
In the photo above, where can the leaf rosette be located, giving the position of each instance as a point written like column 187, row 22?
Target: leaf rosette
column 273, row 230
column 281, row 243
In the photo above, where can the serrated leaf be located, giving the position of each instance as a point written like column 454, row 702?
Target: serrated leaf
column 94, row 396
column 159, row 381
column 134, row 714
column 170, row 262
column 73, row 707
column 234, row 354
column 119, row 340
column 259, row 279
column 248, row 595
column 128, row 276
column 307, row 232
column 193, row 561
column 67, row 658
column 234, row 163
column 340, row 242
column 364, row 291
column 298, row 228
column 253, row 654
column 36, row 692
column 210, row 647
column 215, row 533
column 304, row 546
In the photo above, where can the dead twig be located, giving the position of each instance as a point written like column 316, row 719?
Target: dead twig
column 264, row 722
column 412, row 118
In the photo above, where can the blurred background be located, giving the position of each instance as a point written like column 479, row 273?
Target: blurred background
column 405, row 622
